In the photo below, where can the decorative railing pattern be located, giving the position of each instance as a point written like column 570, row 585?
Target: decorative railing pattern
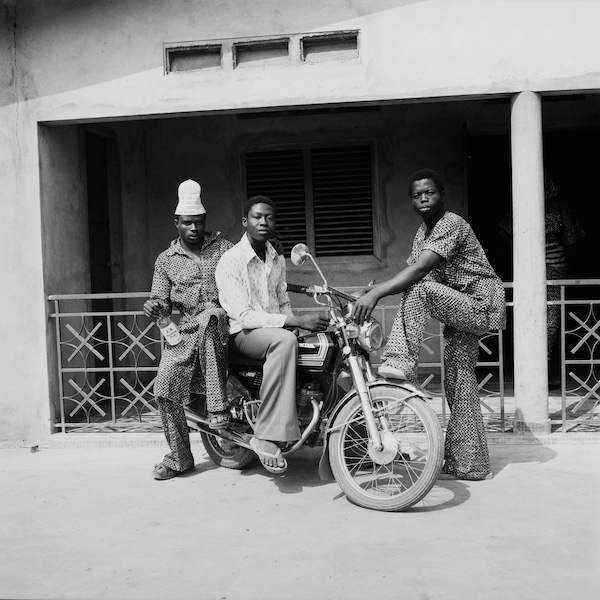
column 580, row 354
column 107, row 361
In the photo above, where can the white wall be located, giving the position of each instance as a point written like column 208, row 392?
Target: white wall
column 24, row 406
column 97, row 59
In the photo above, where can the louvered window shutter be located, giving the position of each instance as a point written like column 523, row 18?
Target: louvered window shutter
column 342, row 200
column 280, row 176
column 323, row 196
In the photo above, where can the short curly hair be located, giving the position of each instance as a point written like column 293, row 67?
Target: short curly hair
column 258, row 200
column 426, row 174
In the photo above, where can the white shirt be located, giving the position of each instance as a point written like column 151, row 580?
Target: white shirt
column 253, row 292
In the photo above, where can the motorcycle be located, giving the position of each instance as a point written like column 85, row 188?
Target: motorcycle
column 381, row 442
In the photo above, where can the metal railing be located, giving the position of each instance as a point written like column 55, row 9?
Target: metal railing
column 579, row 354
column 107, row 359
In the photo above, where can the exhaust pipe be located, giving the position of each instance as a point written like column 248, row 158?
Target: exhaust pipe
column 199, row 423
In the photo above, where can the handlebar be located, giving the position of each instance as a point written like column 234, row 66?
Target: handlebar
column 311, row 290
column 299, row 289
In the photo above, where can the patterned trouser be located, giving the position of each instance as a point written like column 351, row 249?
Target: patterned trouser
column 466, row 452
column 553, row 310
column 210, row 369
column 210, row 379
column 177, row 433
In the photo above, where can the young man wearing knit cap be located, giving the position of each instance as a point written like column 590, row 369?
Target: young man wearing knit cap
column 184, row 278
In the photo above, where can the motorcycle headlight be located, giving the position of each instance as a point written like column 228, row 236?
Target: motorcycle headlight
column 371, row 336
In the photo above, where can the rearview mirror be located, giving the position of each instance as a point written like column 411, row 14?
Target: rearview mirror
column 299, row 254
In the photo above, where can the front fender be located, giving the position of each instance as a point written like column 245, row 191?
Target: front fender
column 325, row 472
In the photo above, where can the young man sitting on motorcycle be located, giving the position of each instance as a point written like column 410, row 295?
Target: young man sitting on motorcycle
column 251, row 278
column 449, row 278
column 184, row 278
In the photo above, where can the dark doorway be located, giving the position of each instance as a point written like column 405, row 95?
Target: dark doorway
column 571, row 157
column 104, row 248
column 98, row 218
column 489, row 185
column 104, row 217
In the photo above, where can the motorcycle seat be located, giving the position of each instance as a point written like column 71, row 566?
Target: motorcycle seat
column 240, row 359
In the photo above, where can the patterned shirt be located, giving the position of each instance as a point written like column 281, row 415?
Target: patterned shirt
column 562, row 230
column 180, row 283
column 465, row 267
column 253, row 292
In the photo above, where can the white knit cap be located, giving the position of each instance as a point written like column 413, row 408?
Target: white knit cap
column 189, row 199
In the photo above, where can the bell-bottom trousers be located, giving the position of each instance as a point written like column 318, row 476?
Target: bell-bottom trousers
column 466, row 452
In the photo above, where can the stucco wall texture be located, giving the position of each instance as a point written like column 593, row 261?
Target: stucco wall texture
column 68, row 63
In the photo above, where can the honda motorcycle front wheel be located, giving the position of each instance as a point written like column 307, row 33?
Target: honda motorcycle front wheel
column 401, row 472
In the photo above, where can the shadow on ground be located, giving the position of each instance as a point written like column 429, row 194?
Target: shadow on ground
column 533, row 451
column 303, row 472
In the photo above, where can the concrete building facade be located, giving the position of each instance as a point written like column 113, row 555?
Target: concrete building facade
column 124, row 100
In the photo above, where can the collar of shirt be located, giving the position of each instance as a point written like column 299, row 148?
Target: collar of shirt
column 177, row 248
column 249, row 254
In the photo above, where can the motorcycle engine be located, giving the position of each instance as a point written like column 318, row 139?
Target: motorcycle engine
column 311, row 390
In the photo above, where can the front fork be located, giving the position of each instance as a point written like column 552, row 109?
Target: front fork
column 365, row 401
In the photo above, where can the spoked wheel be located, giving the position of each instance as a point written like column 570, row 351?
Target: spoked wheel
column 226, row 453
column 403, row 472
column 223, row 452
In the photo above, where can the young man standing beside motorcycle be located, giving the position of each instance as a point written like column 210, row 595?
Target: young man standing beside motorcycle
column 449, row 278
column 184, row 278
column 251, row 278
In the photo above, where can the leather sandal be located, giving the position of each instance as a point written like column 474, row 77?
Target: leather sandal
column 162, row 472
column 262, row 454
column 218, row 419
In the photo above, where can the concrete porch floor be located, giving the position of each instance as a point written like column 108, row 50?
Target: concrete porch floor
column 89, row 522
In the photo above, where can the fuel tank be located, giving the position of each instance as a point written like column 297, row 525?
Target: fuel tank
column 315, row 351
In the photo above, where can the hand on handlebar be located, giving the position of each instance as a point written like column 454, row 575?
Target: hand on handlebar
column 364, row 306
column 314, row 322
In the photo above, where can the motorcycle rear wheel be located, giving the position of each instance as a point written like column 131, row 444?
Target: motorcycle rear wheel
column 223, row 452
column 405, row 471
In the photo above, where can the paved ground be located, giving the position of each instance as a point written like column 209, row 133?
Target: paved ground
column 90, row 523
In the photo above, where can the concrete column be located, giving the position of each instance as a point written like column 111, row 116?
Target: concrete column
column 529, row 269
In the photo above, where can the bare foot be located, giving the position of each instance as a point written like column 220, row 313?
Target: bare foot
column 270, row 448
column 269, row 454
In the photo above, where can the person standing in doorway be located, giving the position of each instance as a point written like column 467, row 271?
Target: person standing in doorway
column 251, row 278
column 184, row 278
column 449, row 278
column 563, row 232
